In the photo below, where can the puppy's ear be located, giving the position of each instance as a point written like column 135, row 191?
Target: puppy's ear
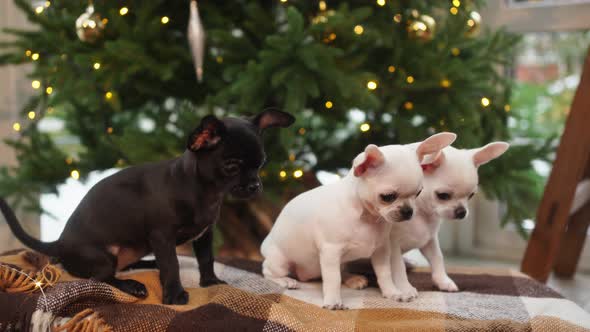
column 434, row 144
column 272, row 118
column 489, row 152
column 207, row 135
column 371, row 158
column 432, row 161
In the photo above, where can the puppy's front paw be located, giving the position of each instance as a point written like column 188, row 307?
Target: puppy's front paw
column 407, row 293
column 133, row 287
column 286, row 282
column 211, row 281
column 335, row 306
column 444, row 283
column 401, row 296
column 178, row 296
column 356, row 282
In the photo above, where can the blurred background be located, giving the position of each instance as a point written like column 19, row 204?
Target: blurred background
column 90, row 87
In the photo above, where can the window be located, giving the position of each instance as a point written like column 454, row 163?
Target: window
column 556, row 37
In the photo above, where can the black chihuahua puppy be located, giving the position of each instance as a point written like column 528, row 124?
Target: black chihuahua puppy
column 155, row 207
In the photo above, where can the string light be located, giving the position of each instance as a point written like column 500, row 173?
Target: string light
column 75, row 174
column 298, row 173
column 397, row 18
column 322, row 5
column 28, row 52
column 409, row 105
column 456, row 3
column 16, row 126
column 410, row 79
column 39, row 9
column 123, row 11
column 219, row 59
column 283, row 1
column 165, row 20
column 110, row 130
column 291, row 157
column 507, row 108
column 329, row 104
column 454, row 10
column 283, row 174
column 69, row 160
column 371, row 85
column 36, row 84
column 108, row 95
column 47, row 4
column 96, row 66
column 358, row 29
column 332, row 36
column 445, row 83
column 49, row 110
column 49, row 90
column 105, row 21
column 391, row 69
column 485, row 102
column 31, row 115
column 381, row 3
column 365, row 127
column 35, row 56
column 301, row 131
column 455, row 51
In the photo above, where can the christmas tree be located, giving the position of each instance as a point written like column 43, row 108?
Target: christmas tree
column 123, row 84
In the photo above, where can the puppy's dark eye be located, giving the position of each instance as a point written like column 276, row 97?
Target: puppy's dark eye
column 418, row 193
column 231, row 168
column 443, row 196
column 471, row 195
column 388, row 198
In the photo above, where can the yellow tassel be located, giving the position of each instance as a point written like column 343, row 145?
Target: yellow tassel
column 13, row 280
column 84, row 321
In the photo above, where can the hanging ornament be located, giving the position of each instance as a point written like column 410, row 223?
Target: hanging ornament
column 422, row 27
column 89, row 26
column 196, row 39
column 473, row 24
column 323, row 13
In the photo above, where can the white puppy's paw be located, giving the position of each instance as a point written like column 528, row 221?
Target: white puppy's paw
column 334, row 306
column 356, row 281
column 444, row 283
column 286, row 282
column 405, row 295
column 408, row 293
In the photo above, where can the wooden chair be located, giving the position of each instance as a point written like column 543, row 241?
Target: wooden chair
column 557, row 241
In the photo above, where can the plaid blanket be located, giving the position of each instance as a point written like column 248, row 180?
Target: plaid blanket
column 37, row 296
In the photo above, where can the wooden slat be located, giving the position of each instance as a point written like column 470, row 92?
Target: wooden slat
column 573, row 243
column 570, row 163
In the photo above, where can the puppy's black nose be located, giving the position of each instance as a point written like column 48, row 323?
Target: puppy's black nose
column 253, row 187
column 460, row 212
column 406, row 212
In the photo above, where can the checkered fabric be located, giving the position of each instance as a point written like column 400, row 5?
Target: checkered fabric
column 490, row 299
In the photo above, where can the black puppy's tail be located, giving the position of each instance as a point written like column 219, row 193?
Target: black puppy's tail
column 47, row 248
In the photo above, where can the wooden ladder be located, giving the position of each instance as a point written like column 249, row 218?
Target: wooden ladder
column 557, row 241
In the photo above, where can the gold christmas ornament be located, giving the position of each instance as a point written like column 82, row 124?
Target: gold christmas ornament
column 196, row 38
column 89, row 26
column 422, row 28
column 473, row 24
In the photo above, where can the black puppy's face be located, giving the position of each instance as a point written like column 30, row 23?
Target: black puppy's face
column 231, row 153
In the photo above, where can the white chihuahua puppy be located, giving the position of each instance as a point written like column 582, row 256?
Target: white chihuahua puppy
column 450, row 180
column 323, row 228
